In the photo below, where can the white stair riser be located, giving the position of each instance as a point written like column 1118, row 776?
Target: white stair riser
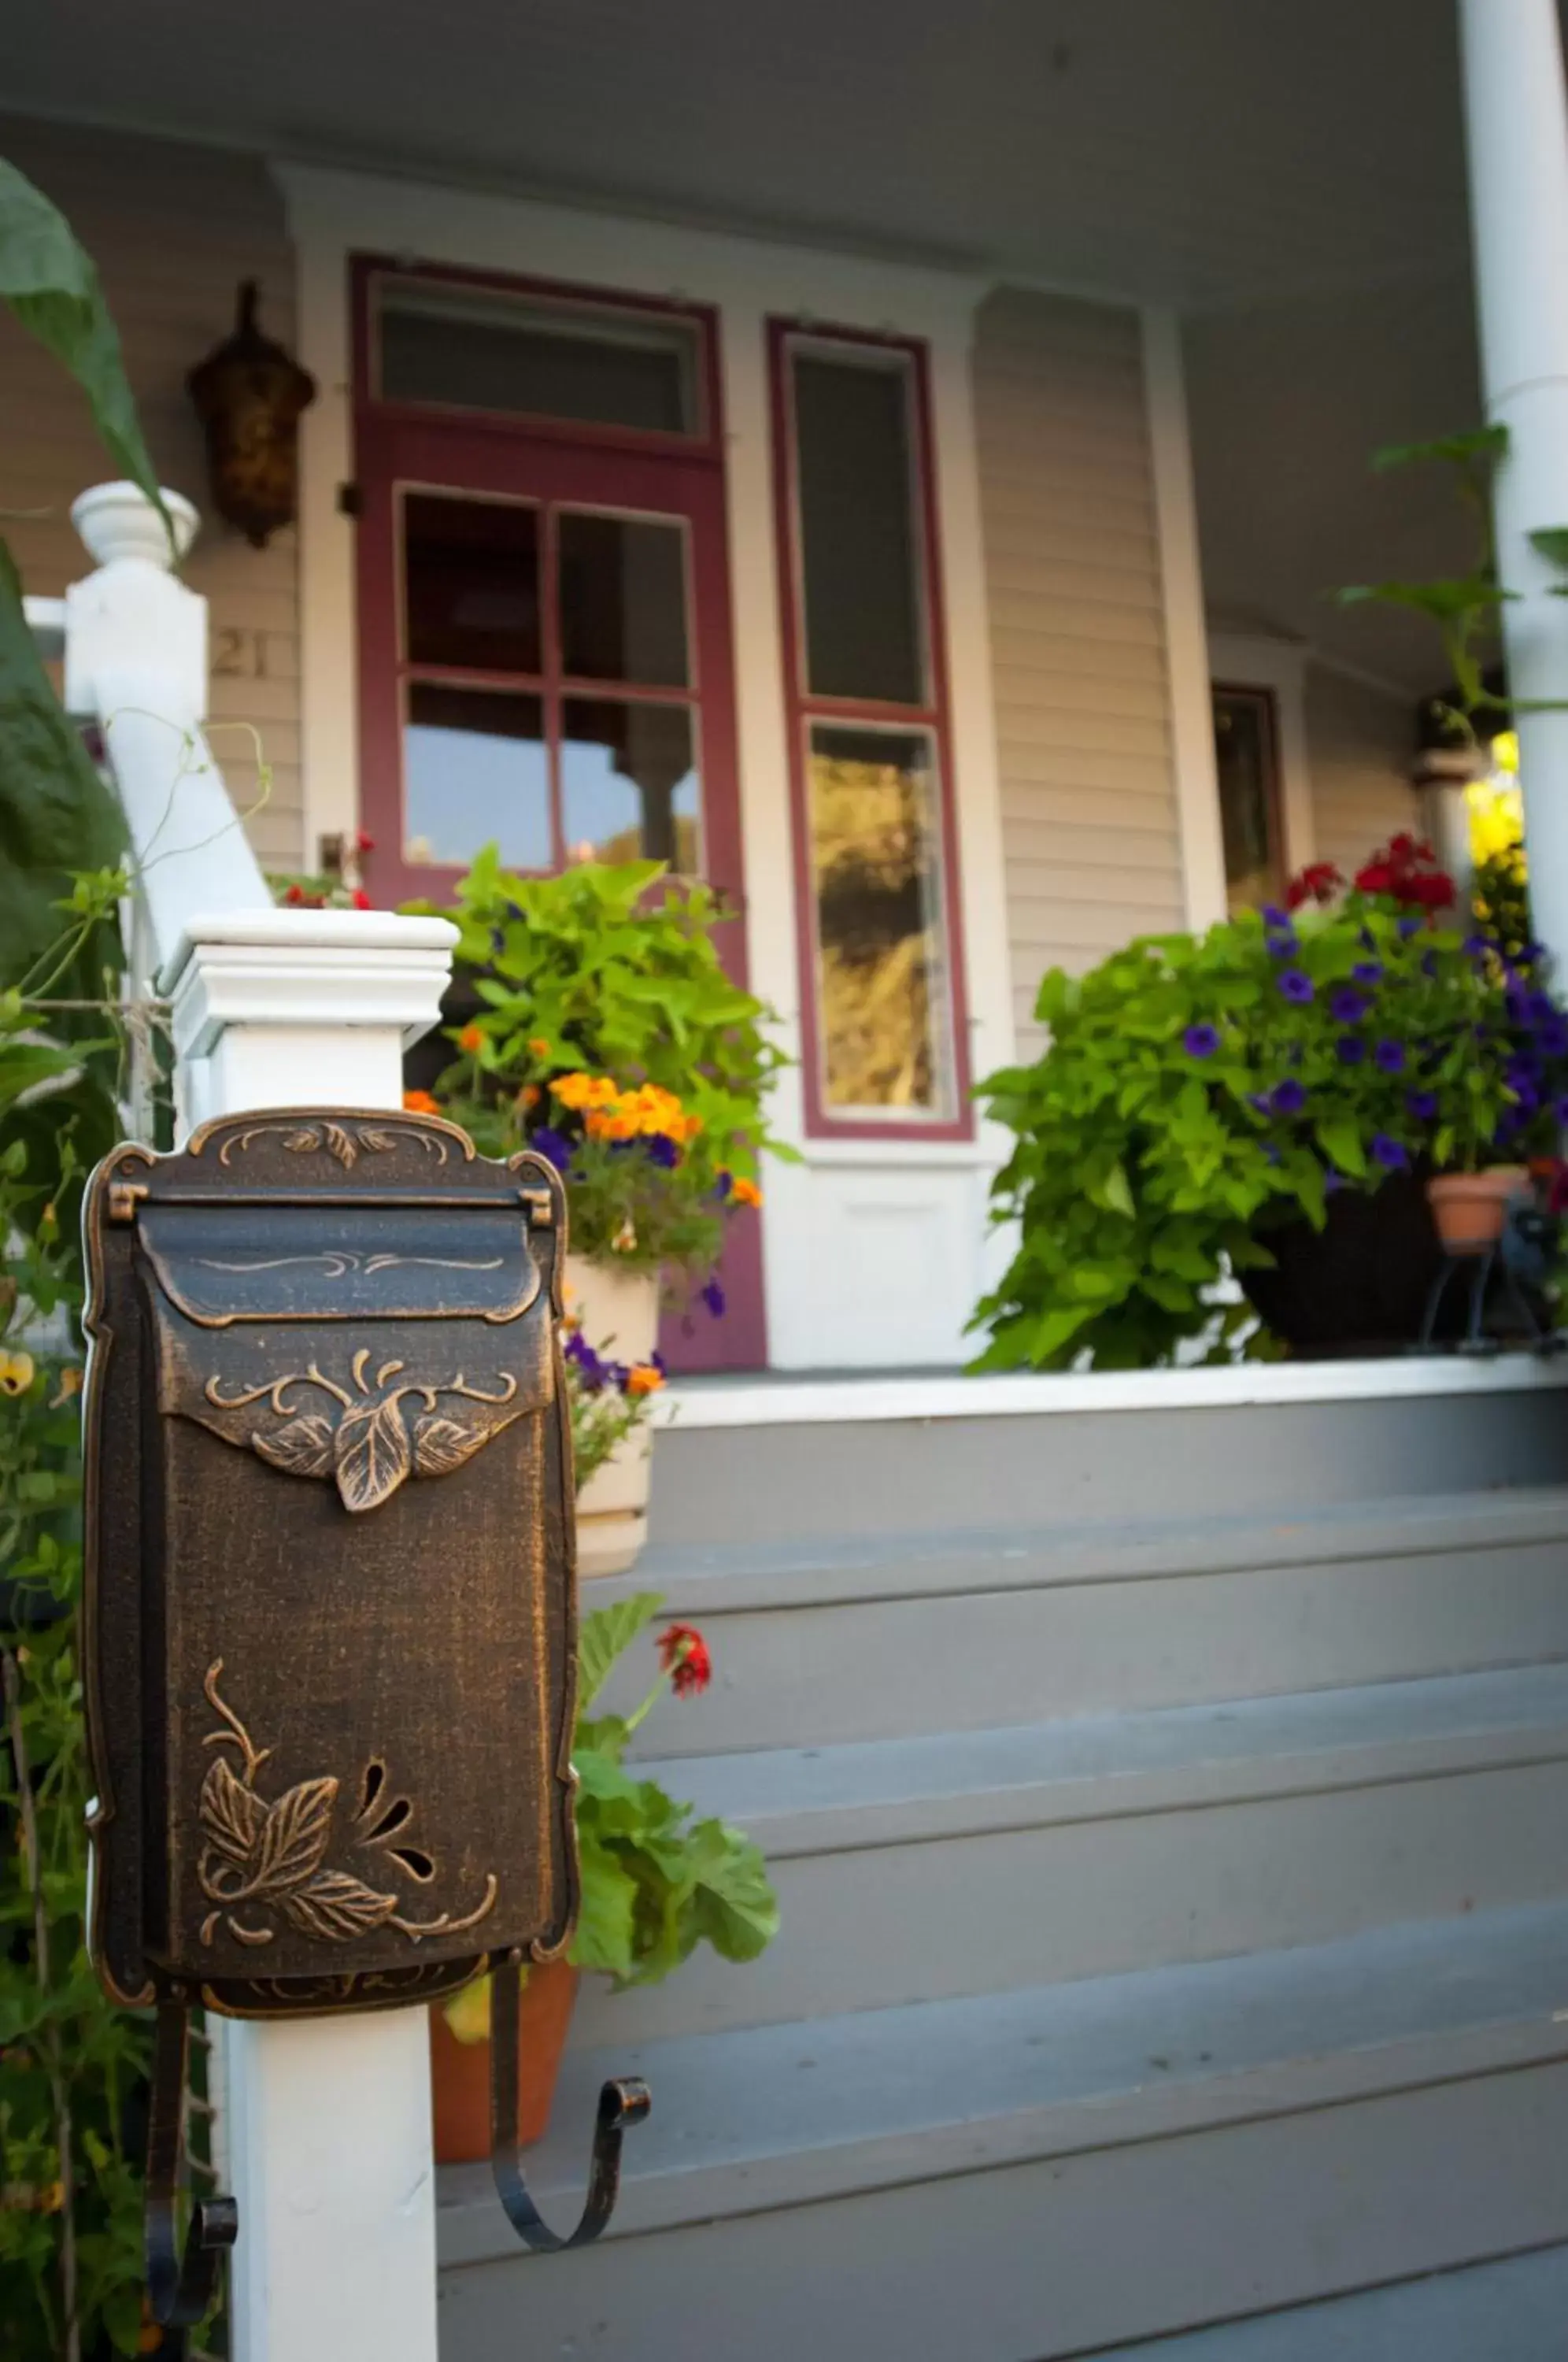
column 1064, row 2257
column 891, row 1668
column 918, row 1922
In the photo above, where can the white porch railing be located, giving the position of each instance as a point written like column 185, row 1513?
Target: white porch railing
column 326, row 2129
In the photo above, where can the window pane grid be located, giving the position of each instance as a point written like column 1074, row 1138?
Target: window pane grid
column 556, row 764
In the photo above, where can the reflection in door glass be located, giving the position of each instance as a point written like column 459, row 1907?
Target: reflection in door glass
column 471, row 583
column 476, row 772
column 629, row 785
column 622, row 600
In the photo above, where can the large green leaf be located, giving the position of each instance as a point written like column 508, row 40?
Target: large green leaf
column 732, row 1904
column 51, row 286
column 604, row 1633
column 604, row 1922
column 57, row 818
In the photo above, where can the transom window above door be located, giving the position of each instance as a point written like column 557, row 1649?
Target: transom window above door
column 549, row 694
column 544, row 602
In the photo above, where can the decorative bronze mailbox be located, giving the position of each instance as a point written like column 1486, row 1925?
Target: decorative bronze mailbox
column 330, row 1599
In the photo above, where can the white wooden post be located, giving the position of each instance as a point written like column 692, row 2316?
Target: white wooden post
column 1517, row 125
column 326, row 2136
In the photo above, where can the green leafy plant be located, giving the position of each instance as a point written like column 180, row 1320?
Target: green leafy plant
column 657, row 1881
column 1197, row 1090
column 1464, row 610
column 72, row 2067
column 608, row 1036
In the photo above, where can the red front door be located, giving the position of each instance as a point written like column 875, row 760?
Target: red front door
column 545, row 660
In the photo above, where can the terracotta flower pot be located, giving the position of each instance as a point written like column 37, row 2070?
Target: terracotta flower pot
column 459, row 2071
column 1470, row 1208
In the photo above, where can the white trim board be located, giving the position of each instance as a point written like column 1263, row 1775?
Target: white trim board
column 817, row 1402
column 1187, row 651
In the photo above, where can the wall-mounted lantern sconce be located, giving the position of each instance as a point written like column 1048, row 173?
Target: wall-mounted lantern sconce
column 331, row 1602
column 248, row 394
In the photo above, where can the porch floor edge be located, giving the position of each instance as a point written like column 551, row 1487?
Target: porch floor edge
column 777, row 1398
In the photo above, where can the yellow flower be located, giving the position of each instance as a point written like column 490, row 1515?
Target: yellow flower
column 70, row 1385
column 15, row 1373
column 745, row 1192
column 642, row 1378
column 468, row 2013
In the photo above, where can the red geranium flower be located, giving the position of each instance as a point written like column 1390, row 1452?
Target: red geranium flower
column 361, row 900
column 1319, row 882
column 684, row 1653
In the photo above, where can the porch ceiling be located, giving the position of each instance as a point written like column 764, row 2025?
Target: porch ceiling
column 1208, row 152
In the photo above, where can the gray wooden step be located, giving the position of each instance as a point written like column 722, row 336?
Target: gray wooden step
column 879, row 1464
column 892, row 1635
column 927, row 1869
column 1049, row 2171
column 1515, row 2310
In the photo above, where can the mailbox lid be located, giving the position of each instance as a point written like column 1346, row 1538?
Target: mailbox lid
column 251, row 1259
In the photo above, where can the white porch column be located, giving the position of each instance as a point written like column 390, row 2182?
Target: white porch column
column 1517, row 125
column 328, row 2119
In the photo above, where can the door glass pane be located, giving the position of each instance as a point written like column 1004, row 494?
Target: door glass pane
column 475, row 772
column 882, row 990
column 860, row 571
column 629, row 786
column 479, row 348
column 622, row 600
column 1245, row 761
column 471, row 583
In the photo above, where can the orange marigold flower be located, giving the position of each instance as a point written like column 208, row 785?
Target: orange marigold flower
column 420, row 1103
column 684, row 1653
column 642, row 1378
column 529, row 1096
column 745, row 1192
column 539, row 1046
column 472, row 1039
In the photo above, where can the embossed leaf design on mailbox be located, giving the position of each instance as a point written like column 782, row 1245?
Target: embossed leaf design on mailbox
column 370, row 1449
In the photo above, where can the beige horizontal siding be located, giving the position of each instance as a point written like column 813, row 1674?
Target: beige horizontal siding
column 173, row 230
column 1078, row 634
column 1359, row 746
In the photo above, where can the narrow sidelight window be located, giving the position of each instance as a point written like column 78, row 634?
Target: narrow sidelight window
column 869, row 737
column 1246, row 744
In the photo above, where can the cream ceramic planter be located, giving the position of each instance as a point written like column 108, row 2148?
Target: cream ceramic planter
column 618, row 1311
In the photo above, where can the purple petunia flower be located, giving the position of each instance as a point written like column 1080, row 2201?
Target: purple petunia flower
column 596, row 1372
column 1390, row 1057
column 1368, row 972
column 1408, row 927
column 662, row 1151
column 1200, row 1041
column 1429, row 963
column 713, row 1296
column 1273, row 916
column 1422, row 1105
column 1346, row 1004
column 724, row 1184
column 1350, row 1049
column 1258, row 1103
column 553, row 1144
column 1271, row 1152
column 1288, row 1098
column 1389, row 1153
column 1296, row 984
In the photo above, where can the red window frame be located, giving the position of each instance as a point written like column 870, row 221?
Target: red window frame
column 451, row 450
column 803, row 708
